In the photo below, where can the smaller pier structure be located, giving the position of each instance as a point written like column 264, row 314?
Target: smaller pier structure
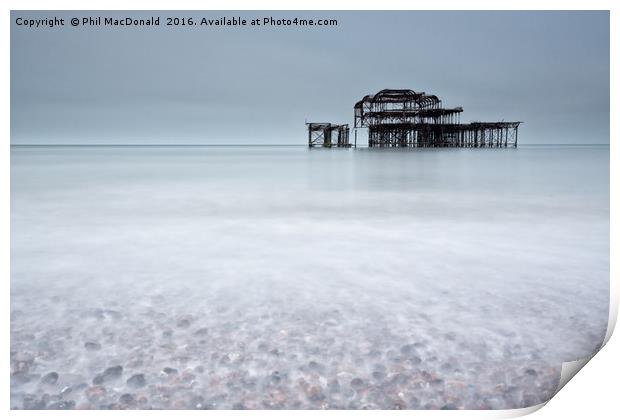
column 328, row 135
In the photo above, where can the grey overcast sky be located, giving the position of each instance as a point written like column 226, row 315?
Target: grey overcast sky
column 241, row 85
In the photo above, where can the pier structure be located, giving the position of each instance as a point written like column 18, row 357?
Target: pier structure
column 322, row 135
column 405, row 118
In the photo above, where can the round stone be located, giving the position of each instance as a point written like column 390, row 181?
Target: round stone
column 127, row 399
column 92, row 346
column 136, row 381
column 170, row 371
column 50, row 378
column 201, row 332
column 113, row 372
column 357, row 383
column 378, row 375
column 183, row 323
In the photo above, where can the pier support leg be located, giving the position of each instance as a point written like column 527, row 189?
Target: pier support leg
column 516, row 135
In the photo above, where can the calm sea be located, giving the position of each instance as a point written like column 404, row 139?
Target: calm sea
column 477, row 271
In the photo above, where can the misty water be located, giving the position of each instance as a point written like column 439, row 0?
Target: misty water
column 281, row 277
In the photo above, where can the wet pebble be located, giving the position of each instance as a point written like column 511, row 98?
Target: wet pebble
column 92, row 346
column 530, row 400
column 413, row 359
column 110, row 374
column 20, row 378
column 408, row 349
column 201, row 332
column 32, row 402
column 398, row 379
column 398, row 405
column 50, row 378
column 333, row 386
column 445, row 367
column 357, row 383
column 378, row 375
column 112, row 314
column 183, row 323
column 274, row 378
column 127, row 399
column 414, row 403
column 450, row 336
column 62, row 405
column 169, row 371
column 136, row 381
column 315, row 367
column 113, row 372
column 315, row 393
column 21, row 362
column 197, row 402
column 95, row 394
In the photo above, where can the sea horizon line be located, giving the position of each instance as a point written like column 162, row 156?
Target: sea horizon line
column 251, row 145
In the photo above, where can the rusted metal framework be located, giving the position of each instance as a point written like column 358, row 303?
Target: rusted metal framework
column 320, row 134
column 405, row 118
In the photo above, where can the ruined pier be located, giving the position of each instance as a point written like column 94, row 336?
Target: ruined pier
column 405, row 118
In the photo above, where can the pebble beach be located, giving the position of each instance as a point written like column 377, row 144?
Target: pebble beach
column 108, row 358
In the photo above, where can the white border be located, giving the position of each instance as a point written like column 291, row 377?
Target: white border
column 595, row 384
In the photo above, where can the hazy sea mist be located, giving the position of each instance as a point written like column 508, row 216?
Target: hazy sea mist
column 282, row 277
